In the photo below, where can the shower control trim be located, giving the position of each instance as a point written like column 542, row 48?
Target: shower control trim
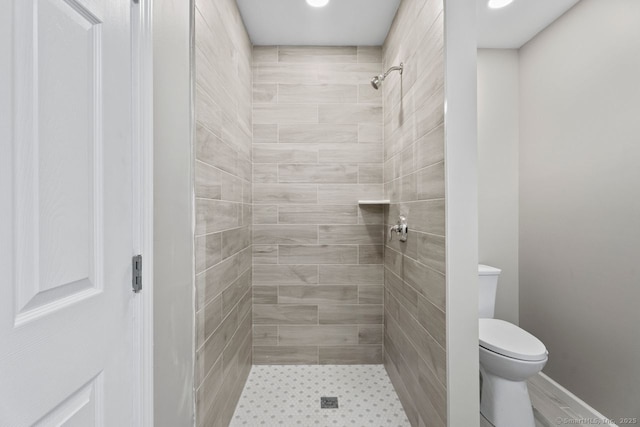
column 400, row 228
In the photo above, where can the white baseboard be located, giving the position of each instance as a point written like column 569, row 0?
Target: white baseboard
column 570, row 396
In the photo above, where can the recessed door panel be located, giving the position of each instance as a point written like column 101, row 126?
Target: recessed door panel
column 58, row 154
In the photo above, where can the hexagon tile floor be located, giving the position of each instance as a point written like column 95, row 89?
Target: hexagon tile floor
column 290, row 396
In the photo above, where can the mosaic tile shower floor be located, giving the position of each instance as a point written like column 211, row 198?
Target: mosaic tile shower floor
column 290, row 396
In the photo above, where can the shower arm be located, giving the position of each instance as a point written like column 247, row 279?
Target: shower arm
column 395, row 68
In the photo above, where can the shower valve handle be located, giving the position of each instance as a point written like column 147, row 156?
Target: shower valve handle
column 401, row 228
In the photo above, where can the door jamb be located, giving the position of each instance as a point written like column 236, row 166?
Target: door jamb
column 142, row 110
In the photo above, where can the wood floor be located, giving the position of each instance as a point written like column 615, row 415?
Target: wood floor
column 550, row 404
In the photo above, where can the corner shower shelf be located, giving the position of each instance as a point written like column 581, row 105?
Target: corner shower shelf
column 374, row 202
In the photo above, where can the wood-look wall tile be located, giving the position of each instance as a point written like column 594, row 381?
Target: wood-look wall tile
column 235, row 240
column 430, row 114
column 265, row 294
column 428, row 216
column 430, row 148
column 208, row 183
column 368, row 95
column 213, row 347
column 216, row 215
column 318, row 254
column 247, row 214
column 347, row 355
column 370, row 54
column 430, row 183
column 288, row 314
column 341, row 158
column 433, row 320
column 265, row 54
column 265, row 173
column 285, row 355
column 349, row 113
column 346, row 73
column 208, row 319
column 318, row 174
column 370, row 294
column 285, row 72
column 265, row 214
column 265, row 134
column 431, row 251
column 234, row 293
column 329, row 294
column 209, row 387
column 370, row 173
column 405, row 294
column 437, row 395
column 213, row 281
column 350, row 314
column 285, row 193
column 318, row 214
column 318, row 133
column 208, row 251
column 350, row 153
column 317, row 93
column 286, row 113
column 284, row 234
column 265, row 254
column 371, row 215
column 426, row 281
column 351, row 274
column 265, row 335
column 285, row 274
column 222, row 184
column 370, row 132
column 350, row 234
column 211, row 150
column 317, row 54
column 370, row 254
column 285, row 153
column 265, row 93
column 348, row 193
column 370, row 334
column 317, row 335
column 208, row 112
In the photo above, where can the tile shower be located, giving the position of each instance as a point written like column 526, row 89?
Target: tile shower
column 317, row 255
column 290, row 269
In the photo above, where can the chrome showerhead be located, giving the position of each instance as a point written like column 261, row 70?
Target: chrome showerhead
column 376, row 81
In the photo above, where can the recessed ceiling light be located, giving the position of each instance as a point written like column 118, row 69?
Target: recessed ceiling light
column 318, row 3
column 497, row 4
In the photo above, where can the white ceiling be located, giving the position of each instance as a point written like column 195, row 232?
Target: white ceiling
column 367, row 22
column 341, row 22
column 517, row 23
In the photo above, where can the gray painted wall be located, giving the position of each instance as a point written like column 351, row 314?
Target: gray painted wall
column 498, row 172
column 173, row 216
column 579, row 204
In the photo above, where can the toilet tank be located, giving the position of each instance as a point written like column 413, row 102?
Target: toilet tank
column 488, row 284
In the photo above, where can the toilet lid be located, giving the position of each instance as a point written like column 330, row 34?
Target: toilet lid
column 509, row 340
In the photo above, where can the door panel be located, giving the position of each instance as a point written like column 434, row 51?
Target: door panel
column 66, row 229
column 58, row 178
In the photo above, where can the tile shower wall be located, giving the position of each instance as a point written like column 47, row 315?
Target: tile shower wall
column 223, row 209
column 415, row 329
column 317, row 255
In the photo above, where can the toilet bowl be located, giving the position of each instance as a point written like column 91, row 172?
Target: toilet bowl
column 509, row 356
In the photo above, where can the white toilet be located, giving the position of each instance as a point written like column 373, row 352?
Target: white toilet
column 508, row 357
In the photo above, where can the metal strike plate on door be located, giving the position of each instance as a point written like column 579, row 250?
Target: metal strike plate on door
column 136, row 281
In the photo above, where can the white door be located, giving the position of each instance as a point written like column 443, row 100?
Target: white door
column 66, row 228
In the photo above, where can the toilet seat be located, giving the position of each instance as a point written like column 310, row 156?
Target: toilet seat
column 509, row 340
